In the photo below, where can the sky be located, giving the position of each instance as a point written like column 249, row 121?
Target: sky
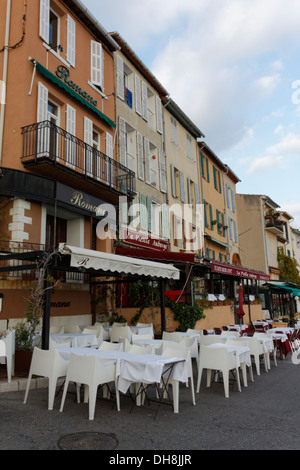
column 233, row 66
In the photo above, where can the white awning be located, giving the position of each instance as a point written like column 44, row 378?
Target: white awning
column 108, row 262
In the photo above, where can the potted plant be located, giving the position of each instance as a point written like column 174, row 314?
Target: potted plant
column 26, row 331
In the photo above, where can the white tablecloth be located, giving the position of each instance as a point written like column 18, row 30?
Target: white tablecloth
column 77, row 339
column 136, row 368
column 242, row 352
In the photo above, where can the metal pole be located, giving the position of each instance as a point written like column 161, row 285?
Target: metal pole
column 162, row 305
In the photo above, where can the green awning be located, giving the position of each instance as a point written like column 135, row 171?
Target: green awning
column 293, row 290
column 50, row 76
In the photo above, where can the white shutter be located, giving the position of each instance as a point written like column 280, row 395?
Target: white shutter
column 165, row 220
column 162, row 171
column 140, row 155
column 71, row 40
column 122, row 141
column 189, row 191
column 42, row 108
column 147, row 160
column 97, row 64
column 182, row 187
column 71, row 129
column 173, row 180
column 120, row 77
column 144, row 101
column 197, row 196
column 138, row 96
column 110, row 154
column 159, row 115
column 43, row 139
column 88, row 138
column 44, row 19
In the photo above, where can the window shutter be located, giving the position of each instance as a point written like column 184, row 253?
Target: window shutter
column 162, row 171
column 138, row 96
column 215, row 177
column 97, row 64
column 197, row 196
column 182, row 187
column 202, row 164
column 227, row 196
column 223, row 223
column 122, row 141
column 120, row 77
column 205, row 213
column 71, row 129
column 144, row 101
column 42, row 109
column 207, row 170
column 45, row 19
column 147, row 160
column 220, row 185
column 149, row 209
column 71, row 40
column 140, row 155
column 233, row 200
column 143, row 213
column 189, row 192
column 88, row 139
column 218, row 222
column 230, row 228
column 165, row 220
column 235, row 231
column 211, row 217
column 159, row 115
column 110, row 154
column 173, row 180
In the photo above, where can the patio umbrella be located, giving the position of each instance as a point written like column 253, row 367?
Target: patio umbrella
column 240, row 311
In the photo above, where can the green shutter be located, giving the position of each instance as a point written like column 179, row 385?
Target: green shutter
column 202, row 164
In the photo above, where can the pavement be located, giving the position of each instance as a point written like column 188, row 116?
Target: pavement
column 264, row 416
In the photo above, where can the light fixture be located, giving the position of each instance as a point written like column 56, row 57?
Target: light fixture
column 1, row 297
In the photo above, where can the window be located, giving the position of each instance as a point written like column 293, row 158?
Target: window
column 127, row 145
column 162, row 171
column 93, row 163
column 217, row 179
column 173, row 131
column 189, row 147
column 50, row 25
column 204, row 163
column 124, row 82
column 97, row 75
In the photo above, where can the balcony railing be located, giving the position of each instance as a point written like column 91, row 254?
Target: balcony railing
column 45, row 140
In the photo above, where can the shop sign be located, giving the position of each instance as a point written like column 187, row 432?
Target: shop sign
column 64, row 74
column 80, row 200
column 143, row 240
column 238, row 272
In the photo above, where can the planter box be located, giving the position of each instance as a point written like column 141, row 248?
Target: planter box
column 22, row 361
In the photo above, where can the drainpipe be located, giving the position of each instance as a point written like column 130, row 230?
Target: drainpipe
column 4, row 79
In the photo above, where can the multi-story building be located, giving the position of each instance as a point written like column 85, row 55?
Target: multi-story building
column 181, row 136
column 58, row 127
column 230, row 181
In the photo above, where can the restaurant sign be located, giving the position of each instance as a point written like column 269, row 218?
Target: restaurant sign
column 143, row 240
column 238, row 271
column 64, row 74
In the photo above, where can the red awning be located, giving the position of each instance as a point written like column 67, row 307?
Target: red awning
column 170, row 256
column 238, row 271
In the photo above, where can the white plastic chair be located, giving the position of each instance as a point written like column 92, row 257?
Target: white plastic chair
column 101, row 323
column 192, row 345
column 231, row 333
column 92, row 372
column 257, row 350
column 179, row 350
column 172, row 336
column 273, row 347
column 55, row 345
column 72, row 329
column 243, row 343
column 135, row 337
column 57, row 330
column 7, row 350
column 218, row 359
column 119, row 323
column 48, row 364
column 118, row 332
column 107, row 346
column 211, row 339
column 137, row 349
column 148, row 325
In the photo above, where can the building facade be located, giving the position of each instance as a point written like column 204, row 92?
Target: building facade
column 58, row 126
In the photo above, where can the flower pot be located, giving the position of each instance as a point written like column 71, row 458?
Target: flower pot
column 22, row 361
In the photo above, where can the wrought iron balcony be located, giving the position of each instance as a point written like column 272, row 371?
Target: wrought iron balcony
column 44, row 141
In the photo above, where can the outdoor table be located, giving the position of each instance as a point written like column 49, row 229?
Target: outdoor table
column 76, row 339
column 281, row 341
column 137, row 368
